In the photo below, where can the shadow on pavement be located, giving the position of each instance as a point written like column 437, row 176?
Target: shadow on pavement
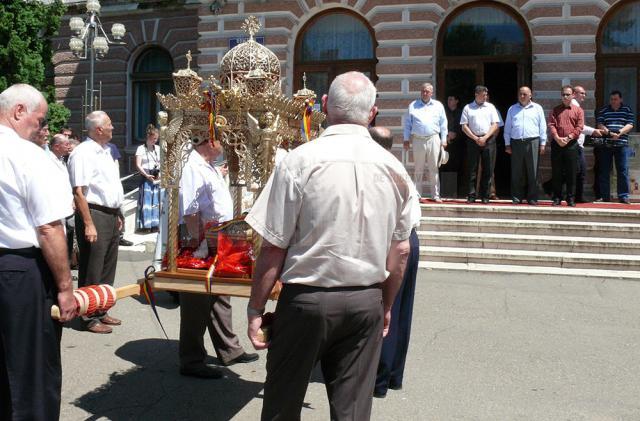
column 164, row 299
column 154, row 390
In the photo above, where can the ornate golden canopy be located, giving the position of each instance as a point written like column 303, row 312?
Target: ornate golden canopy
column 246, row 111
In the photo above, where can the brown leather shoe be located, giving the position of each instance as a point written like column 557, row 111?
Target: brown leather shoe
column 108, row 320
column 96, row 327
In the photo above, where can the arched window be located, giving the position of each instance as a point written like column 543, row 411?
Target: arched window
column 483, row 31
column 332, row 43
column 151, row 73
column 618, row 57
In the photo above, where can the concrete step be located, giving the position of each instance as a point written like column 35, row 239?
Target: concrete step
column 506, row 211
column 535, row 270
column 531, row 227
column 530, row 258
column 596, row 245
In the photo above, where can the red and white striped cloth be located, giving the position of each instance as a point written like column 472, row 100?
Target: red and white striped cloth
column 94, row 299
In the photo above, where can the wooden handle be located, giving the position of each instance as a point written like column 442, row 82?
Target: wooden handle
column 264, row 334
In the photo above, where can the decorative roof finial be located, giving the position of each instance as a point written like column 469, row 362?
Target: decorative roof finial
column 251, row 26
column 189, row 58
column 304, row 80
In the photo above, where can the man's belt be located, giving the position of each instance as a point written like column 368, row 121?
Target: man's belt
column 526, row 139
column 110, row 211
column 24, row 252
column 424, row 137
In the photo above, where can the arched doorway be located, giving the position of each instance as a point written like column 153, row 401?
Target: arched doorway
column 331, row 43
column 151, row 73
column 485, row 43
column 618, row 55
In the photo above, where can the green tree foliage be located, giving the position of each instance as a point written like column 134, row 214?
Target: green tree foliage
column 26, row 28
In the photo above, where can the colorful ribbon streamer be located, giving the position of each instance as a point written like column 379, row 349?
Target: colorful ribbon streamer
column 306, row 119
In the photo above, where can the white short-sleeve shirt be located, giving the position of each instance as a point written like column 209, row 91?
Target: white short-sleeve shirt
column 33, row 191
column 150, row 158
column 204, row 190
column 335, row 204
column 92, row 167
column 479, row 118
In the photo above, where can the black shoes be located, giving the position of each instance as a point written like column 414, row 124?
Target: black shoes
column 471, row 199
column 532, row 202
column 571, row 203
column 624, row 200
column 556, row 202
column 202, row 372
column 516, row 201
column 242, row 358
column 485, row 200
column 125, row 243
column 381, row 395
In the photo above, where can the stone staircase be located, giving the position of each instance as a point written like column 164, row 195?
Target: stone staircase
column 525, row 239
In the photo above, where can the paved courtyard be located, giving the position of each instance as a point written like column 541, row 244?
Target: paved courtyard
column 483, row 347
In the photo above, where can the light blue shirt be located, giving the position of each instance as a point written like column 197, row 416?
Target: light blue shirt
column 425, row 120
column 524, row 122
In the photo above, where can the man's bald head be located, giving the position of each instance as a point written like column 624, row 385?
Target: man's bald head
column 382, row 136
column 350, row 100
column 23, row 108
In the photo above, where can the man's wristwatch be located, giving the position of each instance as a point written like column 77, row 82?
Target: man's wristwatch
column 254, row 312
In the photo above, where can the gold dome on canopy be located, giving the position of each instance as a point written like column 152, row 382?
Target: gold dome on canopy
column 250, row 64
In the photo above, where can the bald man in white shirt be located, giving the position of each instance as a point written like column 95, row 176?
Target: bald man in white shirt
column 34, row 270
column 204, row 199
column 335, row 219
column 98, row 194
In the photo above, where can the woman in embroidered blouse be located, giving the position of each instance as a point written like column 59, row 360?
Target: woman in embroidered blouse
column 148, row 164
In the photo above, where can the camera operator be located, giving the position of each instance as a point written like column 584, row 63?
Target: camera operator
column 148, row 164
column 615, row 121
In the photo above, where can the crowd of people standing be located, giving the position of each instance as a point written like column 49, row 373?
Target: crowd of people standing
column 469, row 136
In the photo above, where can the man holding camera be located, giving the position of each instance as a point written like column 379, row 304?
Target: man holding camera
column 615, row 121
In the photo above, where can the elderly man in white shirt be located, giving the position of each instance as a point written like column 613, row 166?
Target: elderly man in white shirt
column 580, row 95
column 205, row 198
column 335, row 219
column 98, row 195
column 425, row 128
column 34, row 270
column 58, row 151
column 525, row 136
column 480, row 121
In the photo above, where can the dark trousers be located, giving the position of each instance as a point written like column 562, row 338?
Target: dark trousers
column 30, row 368
column 564, row 163
column 596, row 172
column 97, row 261
column 71, row 230
column 341, row 328
column 396, row 344
column 580, row 175
column 524, row 163
column 620, row 155
column 477, row 154
column 199, row 312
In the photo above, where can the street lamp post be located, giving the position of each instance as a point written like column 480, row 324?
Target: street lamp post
column 89, row 40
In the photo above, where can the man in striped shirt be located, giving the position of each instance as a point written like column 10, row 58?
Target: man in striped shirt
column 615, row 121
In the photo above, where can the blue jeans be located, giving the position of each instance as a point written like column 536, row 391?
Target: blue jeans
column 621, row 156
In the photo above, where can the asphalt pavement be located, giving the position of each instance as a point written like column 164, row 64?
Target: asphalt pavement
column 483, row 347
